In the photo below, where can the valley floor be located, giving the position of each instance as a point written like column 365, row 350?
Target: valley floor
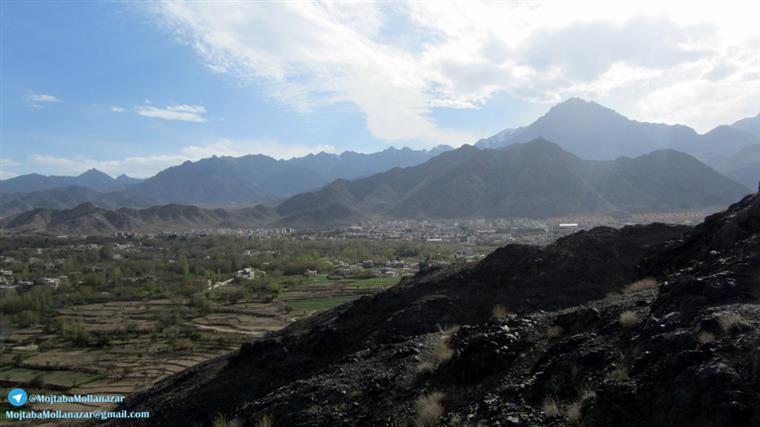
column 44, row 361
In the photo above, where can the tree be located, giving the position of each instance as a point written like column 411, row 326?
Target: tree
column 185, row 267
column 106, row 252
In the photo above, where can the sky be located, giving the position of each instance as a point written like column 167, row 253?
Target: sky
column 135, row 87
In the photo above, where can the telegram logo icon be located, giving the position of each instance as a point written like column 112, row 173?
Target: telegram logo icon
column 17, row 397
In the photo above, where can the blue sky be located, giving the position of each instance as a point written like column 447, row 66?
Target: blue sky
column 136, row 87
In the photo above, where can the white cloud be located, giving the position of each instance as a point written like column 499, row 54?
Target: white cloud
column 181, row 112
column 145, row 166
column 4, row 163
column 38, row 100
column 117, row 109
column 396, row 62
column 227, row 147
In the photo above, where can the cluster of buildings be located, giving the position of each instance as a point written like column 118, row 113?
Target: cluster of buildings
column 391, row 268
column 491, row 232
column 9, row 281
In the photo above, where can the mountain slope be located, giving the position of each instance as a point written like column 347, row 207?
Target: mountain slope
column 536, row 179
column 255, row 178
column 750, row 124
column 744, row 166
column 65, row 198
column 92, row 179
column 90, row 219
column 594, row 132
column 350, row 165
column 225, row 180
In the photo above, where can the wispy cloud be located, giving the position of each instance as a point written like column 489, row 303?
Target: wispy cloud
column 38, row 100
column 117, row 109
column 181, row 112
column 396, row 62
column 145, row 166
column 4, row 163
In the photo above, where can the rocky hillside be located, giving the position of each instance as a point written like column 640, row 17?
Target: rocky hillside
column 650, row 325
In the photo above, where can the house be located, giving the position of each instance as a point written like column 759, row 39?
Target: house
column 387, row 272
column 248, row 273
column 368, row 263
column 51, row 282
column 395, row 264
column 310, row 273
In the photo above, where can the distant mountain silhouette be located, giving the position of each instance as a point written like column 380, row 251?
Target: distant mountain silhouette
column 93, row 179
column 595, row 132
column 743, row 167
column 535, row 179
column 211, row 181
column 350, row 165
column 257, row 178
column 65, row 197
column 226, row 180
column 88, row 218
column 750, row 124
column 530, row 180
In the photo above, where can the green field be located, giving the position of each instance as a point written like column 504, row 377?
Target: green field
column 54, row 378
column 322, row 280
column 320, row 304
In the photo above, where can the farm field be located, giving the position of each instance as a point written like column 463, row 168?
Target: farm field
column 118, row 347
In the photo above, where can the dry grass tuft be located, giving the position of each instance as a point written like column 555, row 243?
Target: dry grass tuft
column 429, row 410
column 573, row 412
column 550, row 407
column 705, row 337
column 221, row 421
column 733, row 322
column 265, row 420
column 587, row 393
column 554, row 332
column 628, row 319
column 619, row 372
column 499, row 311
column 439, row 353
column 641, row 285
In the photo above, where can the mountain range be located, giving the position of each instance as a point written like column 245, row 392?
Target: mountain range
column 88, row 218
column 92, row 179
column 66, row 197
column 537, row 179
column 750, row 124
column 211, row 181
column 585, row 129
column 595, row 132
column 259, row 178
